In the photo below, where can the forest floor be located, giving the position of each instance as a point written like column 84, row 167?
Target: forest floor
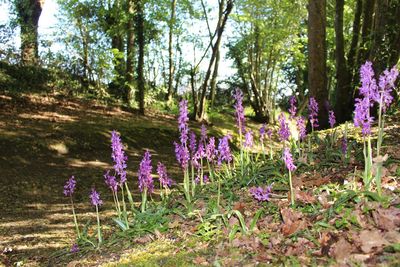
column 46, row 139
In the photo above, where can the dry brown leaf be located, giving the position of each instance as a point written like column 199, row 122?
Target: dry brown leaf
column 371, row 239
column 341, row 250
column 292, row 221
column 304, row 197
column 387, row 219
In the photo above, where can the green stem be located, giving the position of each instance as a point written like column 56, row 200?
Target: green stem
column 124, row 207
column 144, row 200
column 75, row 220
column 291, row 189
column 98, row 226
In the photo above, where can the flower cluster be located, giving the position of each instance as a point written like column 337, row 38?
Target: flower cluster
column 95, row 198
column 287, row 158
column 301, row 127
column 284, row 131
column 69, row 187
column 203, row 134
column 313, row 112
column 210, row 149
column 144, row 173
column 248, row 139
column 182, row 155
column 165, row 181
column 239, row 111
column 183, row 121
column 192, row 143
column 293, row 108
column 111, row 181
column 118, row 156
column 205, row 179
column 332, row 118
column 386, row 84
column 224, row 151
column 262, row 133
column 261, row 194
column 344, row 145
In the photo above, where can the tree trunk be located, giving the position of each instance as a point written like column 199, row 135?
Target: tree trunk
column 130, row 48
column 343, row 88
column 140, row 65
column 351, row 57
column 28, row 18
column 201, row 111
column 363, row 52
column 170, row 52
column 317, row 77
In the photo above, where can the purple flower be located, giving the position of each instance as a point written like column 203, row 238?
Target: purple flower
column 118, row 156
column 210, row 149
column 368, row 87
column 183, row 121
column 301, row 127
column 261, row 194
column 284, row 131
column 362, row 116
column 239, row 111
column 95, row 198
column 386, row 84
column 182, row 155
column 262, row 133
column 144, row 173
column 192, row 143
column 313, row 112
column 287, row 158
column 111, row 181
column 205, row 179
column 224, row 151
column 74, row 248
column 69, row 187
column 332, row 118
column 248, row 139
column 165, row 181
column 292, row 109
column 344, row 145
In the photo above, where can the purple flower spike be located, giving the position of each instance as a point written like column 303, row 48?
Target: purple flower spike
column 192, row 143
column 313, row 112
column 111, row 181
column 332, row 118
column 386, row 84
column 248, row 139
column 301, row 127
column 144, row 173
column 368, row 88
column 182, row 155
column 262, row 133
column 183, row 121
column 74, row 248
column 261, row 194
column 287, row 158
column 362, row 116
column 118, row 156
column 284, row 131
column 293, row 108
column 165, row 181
column 239, row 111
column 69, row 187
column 95, row 198
column 205, row 179
column 210, row 149
column 224, row 151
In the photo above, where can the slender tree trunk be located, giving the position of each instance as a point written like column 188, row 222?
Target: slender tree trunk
column 130, row 53
column 171, row 68
column 201, row 111
column 367, row 18
column 351, row 57
column 317, row 75
column 140, row 65
column 29, row 12
column 343, row 88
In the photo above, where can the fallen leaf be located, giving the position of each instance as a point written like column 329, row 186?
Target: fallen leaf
column 387, row 219
column 293, row 221
column 200, row 261
column 341, row 250
column 304, row 197
column 370, row 239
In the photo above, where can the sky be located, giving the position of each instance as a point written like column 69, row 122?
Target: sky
column 48, row 23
